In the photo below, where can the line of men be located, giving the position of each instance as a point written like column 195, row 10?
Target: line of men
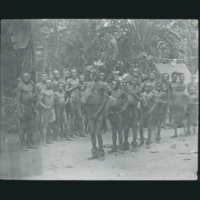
column 135, row 101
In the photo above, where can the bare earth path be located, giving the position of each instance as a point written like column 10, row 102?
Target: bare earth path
column 172, row 159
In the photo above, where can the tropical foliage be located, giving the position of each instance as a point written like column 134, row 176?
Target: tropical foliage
column 47, row 44
column 118, row 44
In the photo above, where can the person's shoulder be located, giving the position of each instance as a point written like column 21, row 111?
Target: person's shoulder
column 32, row 83
column 68, row 80
column 61, row 80
column 42, row 92
column 19, row 87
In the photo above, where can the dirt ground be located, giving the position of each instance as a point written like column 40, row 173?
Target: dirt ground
column 172, row 159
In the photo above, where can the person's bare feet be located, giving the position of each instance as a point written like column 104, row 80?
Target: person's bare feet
column 174, row 136
column 68, row 138
column 30, row 146
column 23, row 148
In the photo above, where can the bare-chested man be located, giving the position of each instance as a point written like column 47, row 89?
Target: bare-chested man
column 146, row 117
column 158, row 111
column 46, row 102
column 109, row 79
column 115, row 115
column 82, row 89
column 73, row 91
column 60, row 101
column 178, row 103
column 136, row 73
column 102, row 79
column 94, row 99
column 181, row 81
column 191, row 110
column 143, row 81
column 116, row 75
column 172, row 86
column 152, row 80
column 39, row 87
column 67, row 106
column 131, row 112
column 26, row 98
column 56, row 79
column 165, row 90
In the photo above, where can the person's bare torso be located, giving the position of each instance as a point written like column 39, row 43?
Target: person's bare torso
column 48, row 98
column 178, row 99
column 41, row 86
column 26, row 93
column 172, row 87
column 149, row 97
column 119, row 97
column 93, row 95
column 159, row 96
column 74, row 94
column 59, row 100
column 133, row 102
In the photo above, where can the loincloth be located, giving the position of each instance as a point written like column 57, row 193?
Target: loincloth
column 27, row 111
column 178, row 115
column 91, row 110
column 75, row 105
column 49, row 116
column 158, row 113
column 134, row 116
column 115, row 116
column 146, row 120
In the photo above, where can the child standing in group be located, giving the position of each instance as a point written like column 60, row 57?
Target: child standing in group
column 159, row 108
column 192, row 109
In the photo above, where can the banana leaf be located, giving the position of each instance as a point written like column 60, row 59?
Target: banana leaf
column 22, row 33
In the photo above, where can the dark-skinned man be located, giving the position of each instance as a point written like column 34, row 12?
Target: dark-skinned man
column 94, row 99
column 55, row 81
column 181, row 81
column 46, row 103
column 82, row 90
column 102, row 79
column 73, row 91
column 132, row 107
column 146, row 118
column 115, row 115
column 39, row 87
column 165, row 90
column 172, row 87
column 26, row 98
column 67, row 106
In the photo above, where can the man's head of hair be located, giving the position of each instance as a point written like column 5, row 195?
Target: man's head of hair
column 60, row 83
column 174, row 73
column 147, row 83
column 180, row 74
column 55, row 71
column 158, row 84
column 116, row 84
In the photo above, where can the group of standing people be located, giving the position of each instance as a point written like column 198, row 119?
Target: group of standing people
column 71, row 107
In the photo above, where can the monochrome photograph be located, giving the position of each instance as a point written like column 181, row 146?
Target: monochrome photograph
column 99, row 99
